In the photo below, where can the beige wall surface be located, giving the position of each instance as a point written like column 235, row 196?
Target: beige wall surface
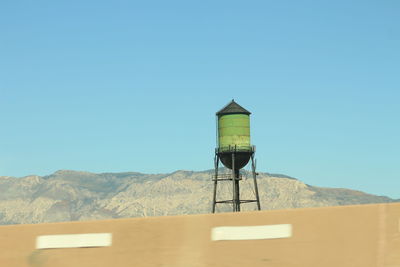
column 364, row 235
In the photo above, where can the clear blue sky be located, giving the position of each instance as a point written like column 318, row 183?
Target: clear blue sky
column 112, row 86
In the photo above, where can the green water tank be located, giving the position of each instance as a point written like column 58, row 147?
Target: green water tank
column 234, row 134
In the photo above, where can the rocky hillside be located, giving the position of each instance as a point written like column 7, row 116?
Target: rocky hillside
column 71, row 195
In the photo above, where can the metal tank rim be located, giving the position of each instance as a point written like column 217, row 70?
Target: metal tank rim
column 233, row 149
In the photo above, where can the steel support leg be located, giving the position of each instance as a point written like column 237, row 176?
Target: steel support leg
column 233, row 183
column 237, row 190
column 253, row 167
column 216, row 161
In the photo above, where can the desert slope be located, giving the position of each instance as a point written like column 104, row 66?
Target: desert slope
column 75, row 196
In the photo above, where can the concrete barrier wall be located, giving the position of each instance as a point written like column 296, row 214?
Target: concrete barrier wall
column 365, row 235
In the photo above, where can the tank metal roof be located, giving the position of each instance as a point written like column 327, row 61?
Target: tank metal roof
column 233, row 108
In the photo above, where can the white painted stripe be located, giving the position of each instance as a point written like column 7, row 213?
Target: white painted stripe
column 251, row 232
column 74, row 241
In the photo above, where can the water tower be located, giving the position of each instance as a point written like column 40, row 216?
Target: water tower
column 234, row 150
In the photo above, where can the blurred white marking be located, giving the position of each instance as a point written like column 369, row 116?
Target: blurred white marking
column 251, row 232
column 74, row 241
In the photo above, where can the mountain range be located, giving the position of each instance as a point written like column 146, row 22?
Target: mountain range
column 68, row 195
